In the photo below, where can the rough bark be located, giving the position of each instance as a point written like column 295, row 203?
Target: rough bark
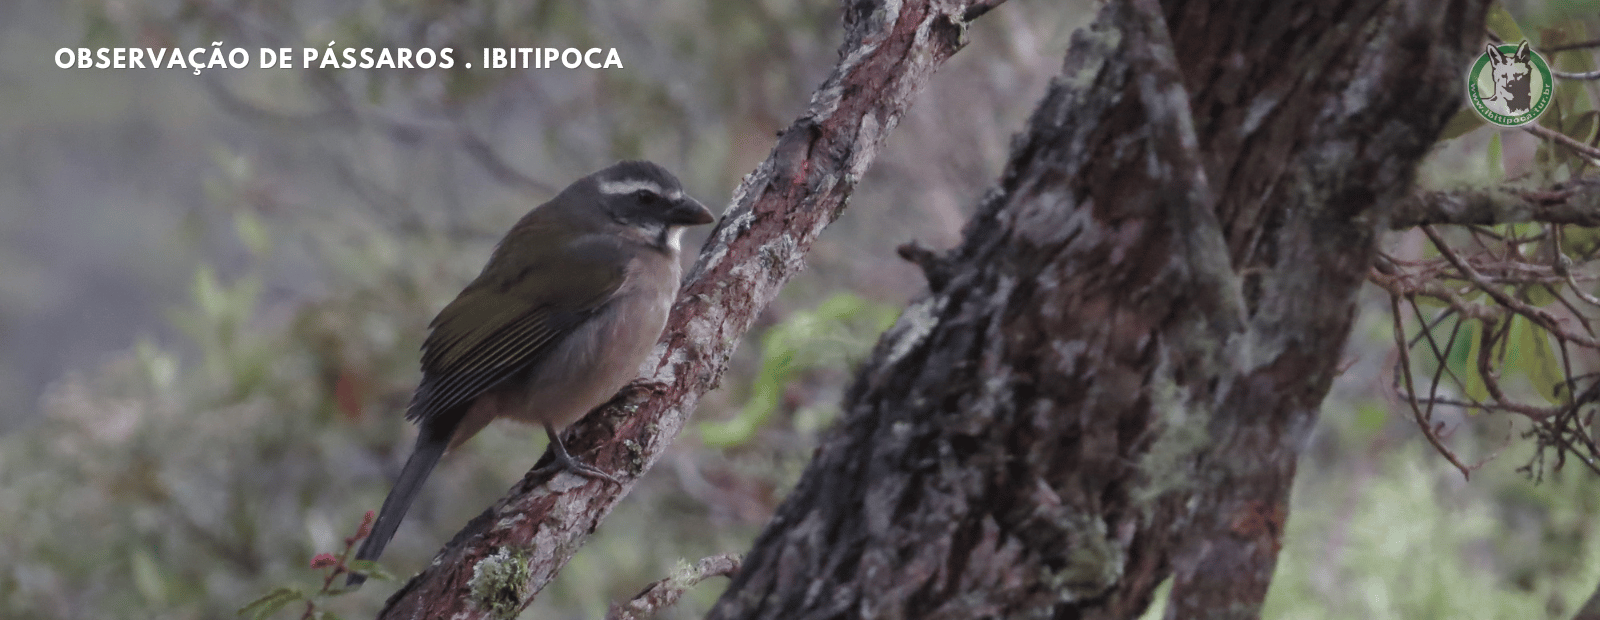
column 1576, row 202
column 1108, row 383
column 505, row 556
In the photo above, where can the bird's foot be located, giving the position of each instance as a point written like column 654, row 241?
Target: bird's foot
column 566, row 462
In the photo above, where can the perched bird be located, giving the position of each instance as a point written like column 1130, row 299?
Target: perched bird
column 571, row 301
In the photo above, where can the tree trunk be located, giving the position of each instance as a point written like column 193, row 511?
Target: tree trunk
column 1108, row 383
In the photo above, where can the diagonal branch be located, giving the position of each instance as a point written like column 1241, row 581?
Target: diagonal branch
column 1552, row 135
column 495, row 566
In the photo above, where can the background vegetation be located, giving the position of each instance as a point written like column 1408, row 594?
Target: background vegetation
column 212, row 291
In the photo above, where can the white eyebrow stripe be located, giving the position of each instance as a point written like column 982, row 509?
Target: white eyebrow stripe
column 633, row 185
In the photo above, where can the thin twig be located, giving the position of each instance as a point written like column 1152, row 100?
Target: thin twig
column 1537, row 315
column 1571, row 46
column 1560, row 138
column 1442, row 356
column 1411, row 389
column 1589, row 75
column 666, row 592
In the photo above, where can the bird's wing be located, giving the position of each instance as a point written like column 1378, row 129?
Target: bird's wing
column 495, row 329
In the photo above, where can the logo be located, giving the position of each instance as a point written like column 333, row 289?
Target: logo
column 1509, row 85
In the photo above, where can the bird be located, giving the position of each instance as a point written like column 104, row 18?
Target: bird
column 571, row 301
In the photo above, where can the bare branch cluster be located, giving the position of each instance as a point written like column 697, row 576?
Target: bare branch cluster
column 1501, row 302
column 1505, row 324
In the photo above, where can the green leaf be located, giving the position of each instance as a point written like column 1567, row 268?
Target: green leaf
column 1579, row 241
column 1553, row 115
column 1465, row 120
column 264, row 607
column 1541, row 295
column 1464, row 360
column 208, row 293
column 1430, row 302
column 160, row 366
column 1522, row 230
column 1501, row 23
column 1370, row 419
column 1532, row 356
column 1569, row 95
column 1582, row 126
column 1497, row 168
column 372, row 570
column 1575, row 60
column 252, row 232
column 147, row 577
column 839, row 330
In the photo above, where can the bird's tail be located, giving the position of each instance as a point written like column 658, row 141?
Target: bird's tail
column 430, row 446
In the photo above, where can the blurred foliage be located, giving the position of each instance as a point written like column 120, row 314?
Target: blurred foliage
column 197, row 480
column 314, row 220
column 1399, row 534
column 834, row 336
column 333, row 212
column 200, row 482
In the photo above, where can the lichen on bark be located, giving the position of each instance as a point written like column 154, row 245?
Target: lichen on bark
column 1108, row 381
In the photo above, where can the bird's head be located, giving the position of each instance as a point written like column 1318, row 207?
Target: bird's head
column 644, row 197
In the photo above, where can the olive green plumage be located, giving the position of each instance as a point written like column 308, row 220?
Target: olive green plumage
column 569, row 304
column 527, row 295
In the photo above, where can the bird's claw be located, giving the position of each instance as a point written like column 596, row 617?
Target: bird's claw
column 565, row 461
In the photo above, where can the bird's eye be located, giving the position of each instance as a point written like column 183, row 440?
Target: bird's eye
column 647, row 197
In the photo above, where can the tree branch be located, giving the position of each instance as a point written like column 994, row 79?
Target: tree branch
column 1571, row 46
column 1586, row 75
column 495, row 566
column 666, row 592
column 1585, row 150
column 1576, row 202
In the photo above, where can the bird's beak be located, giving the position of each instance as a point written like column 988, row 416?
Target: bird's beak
column 687, row 211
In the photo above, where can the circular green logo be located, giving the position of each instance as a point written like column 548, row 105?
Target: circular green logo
column 1509, row 85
